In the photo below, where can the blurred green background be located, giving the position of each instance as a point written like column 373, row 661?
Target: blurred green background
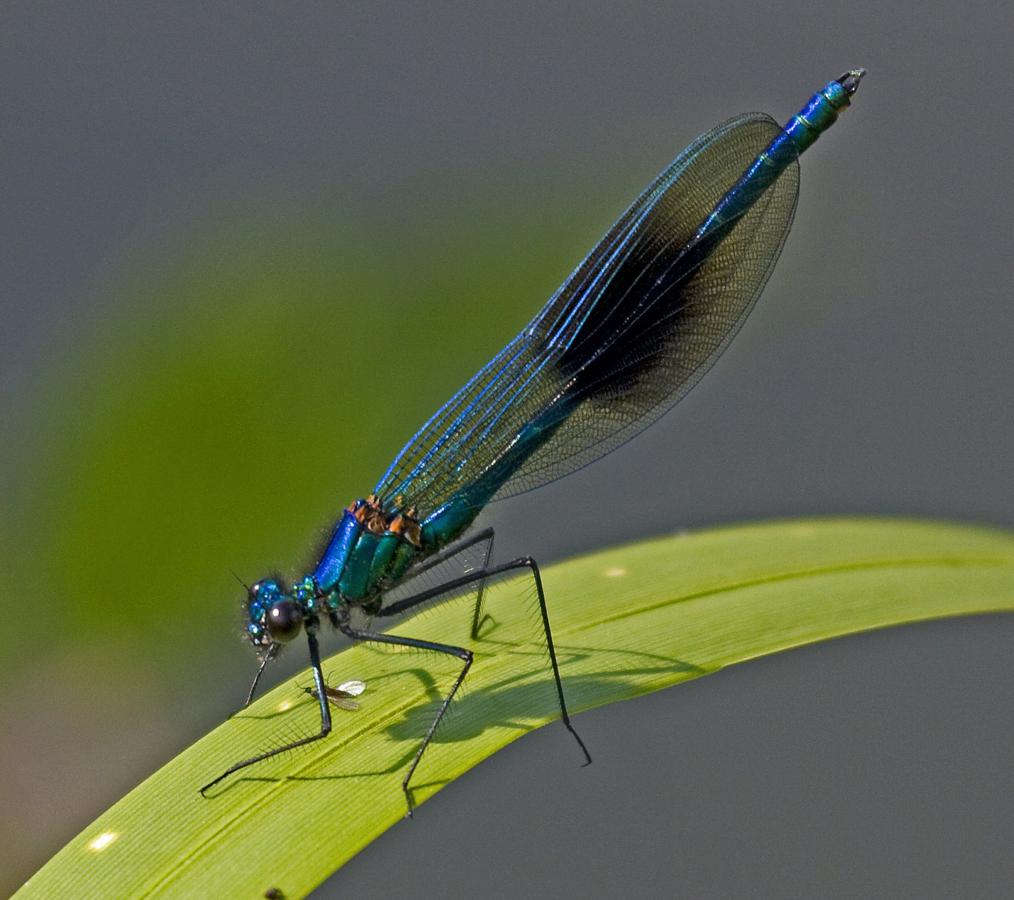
column 250, row 249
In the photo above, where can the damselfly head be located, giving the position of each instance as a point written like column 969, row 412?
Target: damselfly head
column 273, row 616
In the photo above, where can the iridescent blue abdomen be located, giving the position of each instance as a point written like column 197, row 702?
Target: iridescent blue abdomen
column 819, row 114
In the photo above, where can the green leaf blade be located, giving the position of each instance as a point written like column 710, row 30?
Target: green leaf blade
column 627, row 621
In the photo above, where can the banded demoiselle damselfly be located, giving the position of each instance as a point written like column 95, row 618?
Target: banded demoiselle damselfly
column 635, row 326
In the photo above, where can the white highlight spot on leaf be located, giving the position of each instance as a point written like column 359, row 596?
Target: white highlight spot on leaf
column 102, row 841
column 615, row 572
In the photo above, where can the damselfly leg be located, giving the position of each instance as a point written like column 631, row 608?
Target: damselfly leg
column 325, row 717
column 481, row 576
column 269, row 655
column 485, row 536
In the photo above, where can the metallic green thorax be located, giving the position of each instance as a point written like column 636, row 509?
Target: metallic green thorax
column 370, row 549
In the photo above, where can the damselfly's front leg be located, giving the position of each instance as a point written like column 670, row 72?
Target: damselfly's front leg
column 325, row 715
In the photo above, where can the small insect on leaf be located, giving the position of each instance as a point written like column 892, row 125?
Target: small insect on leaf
column 342, row 695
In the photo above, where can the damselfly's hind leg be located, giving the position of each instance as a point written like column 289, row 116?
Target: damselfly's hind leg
column 478, row 617
column 480, row 576
column 481, row 537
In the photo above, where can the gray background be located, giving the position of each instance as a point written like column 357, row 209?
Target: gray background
column 874, row 377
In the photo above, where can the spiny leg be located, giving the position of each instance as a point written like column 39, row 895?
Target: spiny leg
column 325, row 717
column 450, row 552
column 486, row 535
column 477, row 618
column 461, row 653
column 269, row 655
column 482, row 575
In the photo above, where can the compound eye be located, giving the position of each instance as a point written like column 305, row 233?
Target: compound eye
column 284, row 620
